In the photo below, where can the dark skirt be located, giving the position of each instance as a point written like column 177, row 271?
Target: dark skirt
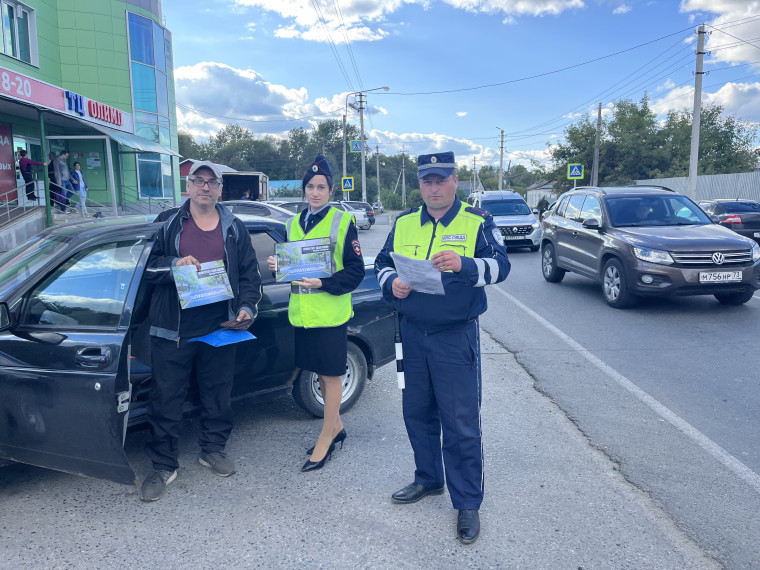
column 322, row 350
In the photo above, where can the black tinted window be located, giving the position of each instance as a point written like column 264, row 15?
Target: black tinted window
column 263, row 245
column 745, row 206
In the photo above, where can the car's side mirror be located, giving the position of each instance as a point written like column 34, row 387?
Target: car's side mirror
column 5, row 317
column 535, row 210
column 591, row 224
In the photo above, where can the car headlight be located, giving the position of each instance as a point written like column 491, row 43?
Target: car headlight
column 755, row 253
column 653, row 255
column 536, row 225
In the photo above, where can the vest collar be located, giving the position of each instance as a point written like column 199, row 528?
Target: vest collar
column 446, row 219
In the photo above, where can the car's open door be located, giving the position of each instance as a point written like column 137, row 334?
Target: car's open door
column 64, row 387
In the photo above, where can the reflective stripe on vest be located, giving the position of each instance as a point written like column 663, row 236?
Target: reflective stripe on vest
column 317, row 308
column 422, row 242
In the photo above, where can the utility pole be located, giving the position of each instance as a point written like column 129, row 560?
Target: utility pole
column 473, row 174
column 696, row 114
column 377, row 155
column 403, row 180
column 501, row 160
column 595, row 167
column 364, row 166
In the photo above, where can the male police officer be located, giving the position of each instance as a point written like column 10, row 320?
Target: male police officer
column 440, row 337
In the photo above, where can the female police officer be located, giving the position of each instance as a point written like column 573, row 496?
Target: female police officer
column 320, row 308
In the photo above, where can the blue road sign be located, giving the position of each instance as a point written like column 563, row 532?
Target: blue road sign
column 348, row 183
column 574, row 171
column 356, row 146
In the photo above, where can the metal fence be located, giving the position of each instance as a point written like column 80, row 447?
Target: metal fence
column 744, row 185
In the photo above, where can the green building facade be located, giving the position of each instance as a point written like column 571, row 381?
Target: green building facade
column 95, row 78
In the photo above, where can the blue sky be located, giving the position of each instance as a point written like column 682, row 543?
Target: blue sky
column 458, row 70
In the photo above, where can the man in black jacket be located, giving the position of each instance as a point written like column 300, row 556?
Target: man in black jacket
column 198, row 232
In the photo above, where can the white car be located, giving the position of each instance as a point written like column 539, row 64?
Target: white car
column 360, row 216
column 378, row 208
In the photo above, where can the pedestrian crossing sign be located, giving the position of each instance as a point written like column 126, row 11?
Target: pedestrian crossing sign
column 348, row 183
column 574, row 171
column 356, row 146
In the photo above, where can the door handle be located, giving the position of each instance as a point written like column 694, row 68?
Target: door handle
column 93, row 356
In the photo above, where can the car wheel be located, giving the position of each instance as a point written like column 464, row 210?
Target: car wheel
column 552, row 273
column 368, row 226
column 616, row 291
column 308, row 394
column 735, row 298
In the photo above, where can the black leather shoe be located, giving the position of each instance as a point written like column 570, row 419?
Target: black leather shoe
column 468, row 526
column 314, row 465
column 338, row 439
column 413, row 493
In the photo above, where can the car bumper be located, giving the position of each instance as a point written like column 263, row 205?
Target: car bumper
column 668, row 280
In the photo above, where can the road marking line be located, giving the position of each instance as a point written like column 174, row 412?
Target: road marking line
column 728, row 460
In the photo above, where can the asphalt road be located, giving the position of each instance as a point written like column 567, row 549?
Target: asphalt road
column 587, row 464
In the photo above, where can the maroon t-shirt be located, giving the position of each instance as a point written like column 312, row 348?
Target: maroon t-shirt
column 203, row 246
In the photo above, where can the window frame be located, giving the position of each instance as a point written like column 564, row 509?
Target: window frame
column 31, row 25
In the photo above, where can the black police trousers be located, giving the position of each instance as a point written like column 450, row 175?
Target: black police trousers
column 172, row 369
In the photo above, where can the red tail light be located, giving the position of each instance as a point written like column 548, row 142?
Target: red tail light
column 733, row 219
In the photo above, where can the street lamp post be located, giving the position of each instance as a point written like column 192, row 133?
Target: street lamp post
column 361, row 95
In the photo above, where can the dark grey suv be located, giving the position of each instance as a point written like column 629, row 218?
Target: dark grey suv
column 646, row 240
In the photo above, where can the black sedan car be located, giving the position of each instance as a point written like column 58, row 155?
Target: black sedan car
column 742, row 216
column 75, row 349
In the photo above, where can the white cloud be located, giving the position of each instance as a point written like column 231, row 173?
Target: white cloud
column 362, row 20
column 461, row 113
column 729, row 40
column 622, row 9
column 247, row 99
column 739, row 99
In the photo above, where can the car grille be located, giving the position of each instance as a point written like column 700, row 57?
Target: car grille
column 516, row 230
column 704, row 259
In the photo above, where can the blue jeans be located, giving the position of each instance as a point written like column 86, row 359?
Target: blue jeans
column 69, row 188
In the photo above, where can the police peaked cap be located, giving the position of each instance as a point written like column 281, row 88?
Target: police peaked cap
column 440, row 163
column 319, row 166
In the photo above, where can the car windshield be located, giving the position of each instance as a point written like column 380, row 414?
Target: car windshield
column 745, row 206
column 654, row 210
column 23, row 261
column 505, row 207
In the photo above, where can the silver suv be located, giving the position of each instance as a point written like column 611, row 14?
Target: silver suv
column 512, row 215
column 646, row 241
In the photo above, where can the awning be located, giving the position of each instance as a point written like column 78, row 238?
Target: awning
column 132, row 141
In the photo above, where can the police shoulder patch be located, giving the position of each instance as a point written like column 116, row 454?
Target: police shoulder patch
column 478, row 211
column 357, row 247
column 497, row 236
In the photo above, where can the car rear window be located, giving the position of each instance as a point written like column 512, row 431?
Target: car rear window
column 746, row 206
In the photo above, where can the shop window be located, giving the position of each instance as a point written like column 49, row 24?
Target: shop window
column 19, row 31
column 141, row 39
column 144, row 88
column 155, row 175
column 150, row 52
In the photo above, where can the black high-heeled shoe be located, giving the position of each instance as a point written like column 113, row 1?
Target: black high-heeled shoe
column 338, row 439
column 314, row 465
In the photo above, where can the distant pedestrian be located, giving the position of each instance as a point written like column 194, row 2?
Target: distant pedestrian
column 63, row 175
column 81, row 187
column 27, row 172
column 57, row 194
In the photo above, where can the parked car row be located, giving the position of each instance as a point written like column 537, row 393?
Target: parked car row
column 75, row 349
column 640, row 241
column 361, row 219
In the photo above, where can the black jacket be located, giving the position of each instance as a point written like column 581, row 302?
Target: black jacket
column 242, row 269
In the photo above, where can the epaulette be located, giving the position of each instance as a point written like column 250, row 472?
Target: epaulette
column 478, row 211
column 409, row 211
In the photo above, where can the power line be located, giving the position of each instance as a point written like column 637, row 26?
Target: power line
column 332, row 44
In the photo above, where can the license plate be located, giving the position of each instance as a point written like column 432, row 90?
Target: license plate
column 514, row 237
column 719, row 276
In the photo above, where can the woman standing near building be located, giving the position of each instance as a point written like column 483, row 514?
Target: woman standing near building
column 320, row 308
column 81, row 187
